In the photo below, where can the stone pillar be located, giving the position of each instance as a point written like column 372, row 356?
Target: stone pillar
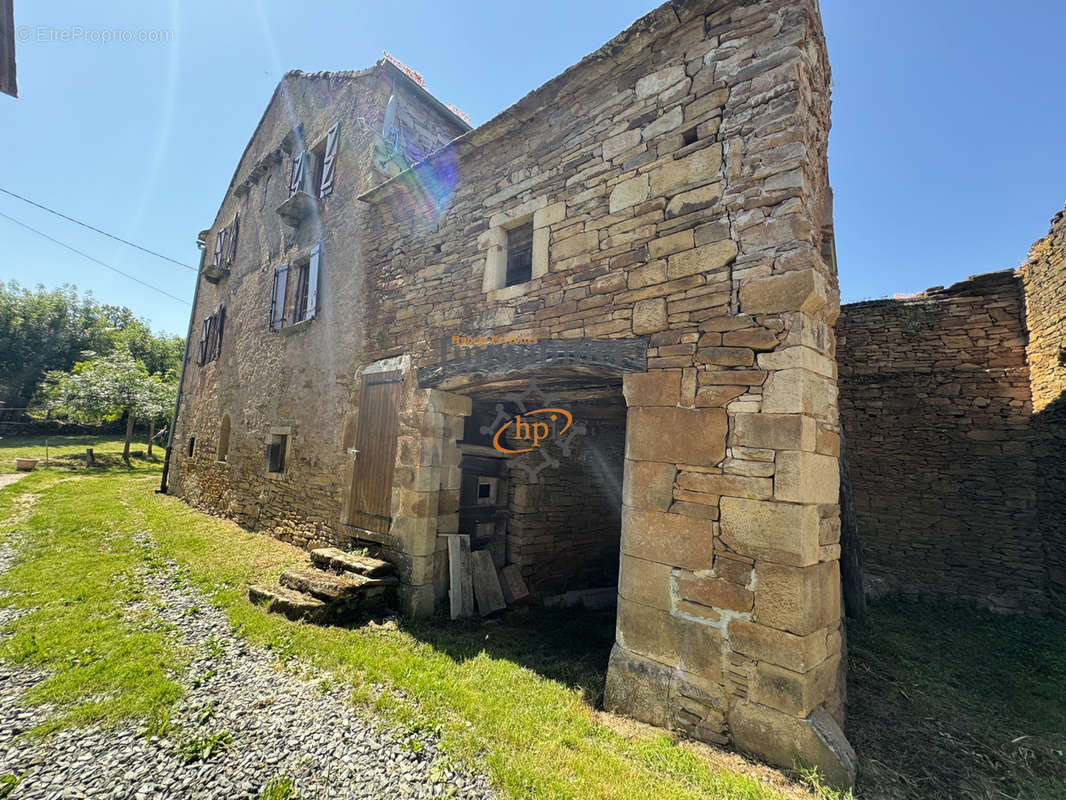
column 729, row 590
column 425, row 496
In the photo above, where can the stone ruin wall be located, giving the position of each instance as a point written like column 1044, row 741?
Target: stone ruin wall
column 1044, row 278
column 934, row 402
column 952, row 405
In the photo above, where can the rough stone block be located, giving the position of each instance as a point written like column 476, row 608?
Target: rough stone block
column 658, row 81
column 795, row 693
column 788, row 741
column 637, row 687
column 549, row 215
column 784, row 533
column 800, row 290
column 798, row 358
column 755, row 338
column 628, row 193
column 677, row 435
column 694, row 170
column 619, row 144
column 660, row 387
column 643, row 581
column 799, row 391
column 694, row 199
column 775, row 431
column 576, row 245
column 708, row 258
column 728, row 485
column 804, row 477
column 799, row 600
column 674, row 243
column 667, row 538
column 718, row 396
column 692, row 646
column 649, row 315
column 799, row 653
column 713, row 592
column 648, row 484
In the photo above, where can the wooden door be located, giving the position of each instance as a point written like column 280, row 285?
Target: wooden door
column 370, row 501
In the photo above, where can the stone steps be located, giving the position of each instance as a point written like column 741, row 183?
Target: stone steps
column 334, row 587
column 339, row 561
column 288, row 603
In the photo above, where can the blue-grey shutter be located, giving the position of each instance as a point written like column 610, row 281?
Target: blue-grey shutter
column 231, row 253
column 277, row 300
column 219, row 326
column 220, row 243
column 312, row 281
column 329, row 162
column 296, row 180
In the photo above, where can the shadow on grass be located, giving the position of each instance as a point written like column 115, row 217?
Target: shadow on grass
column 952, row 701
column 571, row 646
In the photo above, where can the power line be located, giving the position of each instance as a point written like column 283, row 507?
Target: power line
column 97, row 230
column 95, row 260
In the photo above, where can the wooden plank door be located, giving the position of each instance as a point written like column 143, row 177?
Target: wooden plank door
column 370, row 502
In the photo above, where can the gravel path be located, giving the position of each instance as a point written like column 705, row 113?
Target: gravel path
column 8, row 478
column 282, row 726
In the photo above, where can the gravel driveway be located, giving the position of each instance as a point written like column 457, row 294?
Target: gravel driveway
column 283, row 725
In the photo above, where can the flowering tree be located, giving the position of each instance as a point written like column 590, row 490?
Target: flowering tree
column 106, row 388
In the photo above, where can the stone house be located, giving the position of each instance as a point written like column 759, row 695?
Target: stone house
column 644, row 246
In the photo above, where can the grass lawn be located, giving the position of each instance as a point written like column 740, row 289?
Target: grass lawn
column 68, row 452
column 933, row 692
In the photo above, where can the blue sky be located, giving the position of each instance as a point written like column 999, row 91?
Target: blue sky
column 946, row 153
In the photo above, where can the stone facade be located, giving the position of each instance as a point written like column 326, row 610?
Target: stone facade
column 951, row 402
column 674, row 185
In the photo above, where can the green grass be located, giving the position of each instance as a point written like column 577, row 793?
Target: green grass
column 952, row 701
column 943, row 702
column 76, row 571
column 68, row 452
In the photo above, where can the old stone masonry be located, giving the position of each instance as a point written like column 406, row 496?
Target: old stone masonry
column 281, row 726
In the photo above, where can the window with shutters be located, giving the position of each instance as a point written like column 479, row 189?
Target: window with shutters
column 211, row 336
column 295, row 294
column 313, row 170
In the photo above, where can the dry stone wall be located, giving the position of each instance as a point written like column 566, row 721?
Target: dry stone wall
column 934, row 398
column 1044, row 277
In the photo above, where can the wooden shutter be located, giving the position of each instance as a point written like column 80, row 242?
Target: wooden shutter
column 220, row 241
column 312, row 282
column 204, row 330
column 277, row 300
column 370, row 501
column 231, row 253
column 219, row 325
column 329, row 163
column 297, row 179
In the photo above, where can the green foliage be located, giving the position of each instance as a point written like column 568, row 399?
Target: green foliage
column 204, row 748
column 44, row 330
column 107, row 388
column 279, row 789
column 8, row 784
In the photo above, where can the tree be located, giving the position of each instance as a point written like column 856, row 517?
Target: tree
column 45, row 330
column 108, row 388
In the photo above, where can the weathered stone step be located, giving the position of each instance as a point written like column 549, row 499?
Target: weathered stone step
column 335, row 586
column 335, row 559
column 292, row 604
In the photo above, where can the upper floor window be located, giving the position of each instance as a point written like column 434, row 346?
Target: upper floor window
column 295, row 295
column 313, row 171
column 211, row 336
column 519, row 254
